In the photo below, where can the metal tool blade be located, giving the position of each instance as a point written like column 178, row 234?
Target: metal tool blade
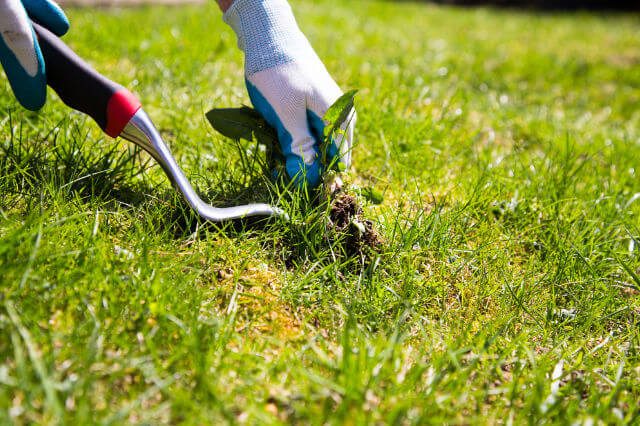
column 141, row 131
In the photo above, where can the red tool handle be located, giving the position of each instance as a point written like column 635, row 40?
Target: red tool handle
column 83, row 88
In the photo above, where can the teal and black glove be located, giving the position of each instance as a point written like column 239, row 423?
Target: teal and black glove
column 20, row 54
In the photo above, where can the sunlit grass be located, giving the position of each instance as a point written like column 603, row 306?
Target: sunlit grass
column 507, row 147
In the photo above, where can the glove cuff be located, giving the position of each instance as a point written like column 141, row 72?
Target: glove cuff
column 267, row 33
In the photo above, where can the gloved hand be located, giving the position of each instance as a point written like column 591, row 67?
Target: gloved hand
column 288, row 84
column 20, row 54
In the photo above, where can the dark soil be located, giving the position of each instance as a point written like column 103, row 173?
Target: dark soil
column 345, row 211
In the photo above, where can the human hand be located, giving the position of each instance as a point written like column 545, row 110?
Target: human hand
column 289, row 85
column 20, row 53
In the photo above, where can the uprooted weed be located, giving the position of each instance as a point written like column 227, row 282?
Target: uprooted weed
column 345, row 222
column 338, row 212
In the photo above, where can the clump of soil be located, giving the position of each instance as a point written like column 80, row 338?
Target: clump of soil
column 345, row 219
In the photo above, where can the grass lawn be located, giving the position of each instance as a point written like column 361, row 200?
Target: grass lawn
column 507, row 145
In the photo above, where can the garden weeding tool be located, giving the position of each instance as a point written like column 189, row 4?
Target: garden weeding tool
column 119, row 113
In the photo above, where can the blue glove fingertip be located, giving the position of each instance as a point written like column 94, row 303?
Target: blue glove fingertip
column 300, row 172
column 31, row 91
column 47, row 14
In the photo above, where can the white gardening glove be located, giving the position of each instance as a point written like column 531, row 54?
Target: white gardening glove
column 288, row 84
column 19, row 51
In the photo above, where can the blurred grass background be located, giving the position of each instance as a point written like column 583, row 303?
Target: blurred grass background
column 566, row 5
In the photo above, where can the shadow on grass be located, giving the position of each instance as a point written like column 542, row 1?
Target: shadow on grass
column 112, row 175
column 72, row 169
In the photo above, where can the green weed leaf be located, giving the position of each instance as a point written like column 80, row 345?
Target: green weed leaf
column 372, row 195
column 339, row 112
column 243, row 123
column 336, row 116
column 248, row 124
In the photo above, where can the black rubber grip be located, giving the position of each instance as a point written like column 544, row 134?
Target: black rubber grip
column 78, row 85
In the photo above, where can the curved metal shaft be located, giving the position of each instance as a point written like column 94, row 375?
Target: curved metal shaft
column 141, row 131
